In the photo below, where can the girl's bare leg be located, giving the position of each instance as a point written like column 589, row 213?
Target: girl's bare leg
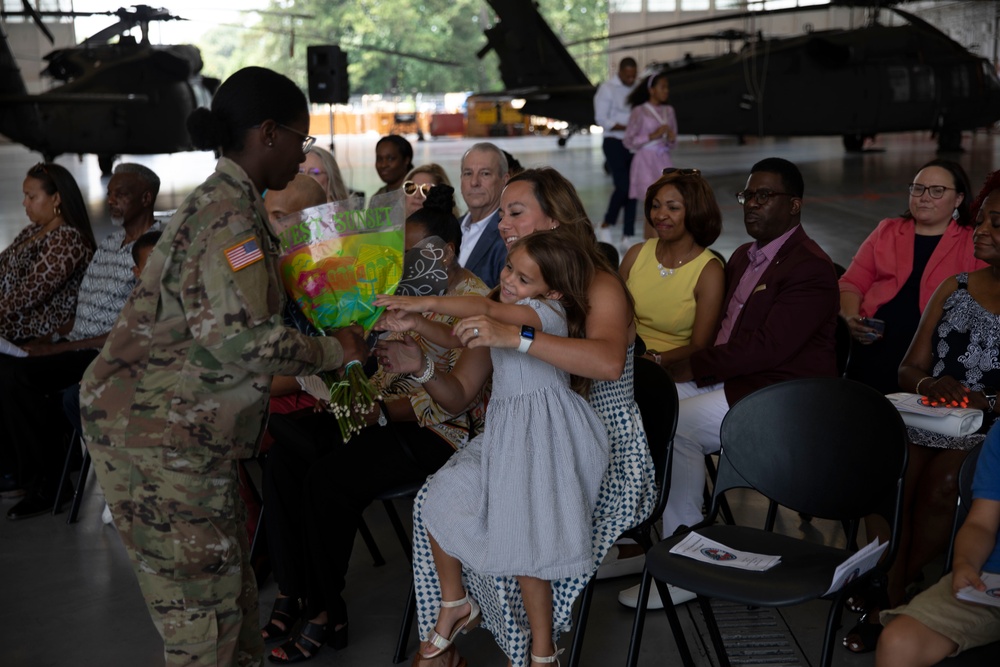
column 449, row 571
column 537, row 594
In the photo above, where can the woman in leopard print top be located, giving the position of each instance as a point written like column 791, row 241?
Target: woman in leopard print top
column 40, row 272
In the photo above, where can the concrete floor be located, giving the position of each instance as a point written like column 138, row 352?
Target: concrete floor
column 69, row 594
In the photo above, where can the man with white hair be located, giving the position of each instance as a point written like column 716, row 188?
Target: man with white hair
column 484, row 175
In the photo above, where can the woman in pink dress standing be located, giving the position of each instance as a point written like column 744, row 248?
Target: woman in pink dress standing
column 650, row 135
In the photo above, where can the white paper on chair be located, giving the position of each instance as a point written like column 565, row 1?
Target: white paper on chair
column 860, row 562
column 709, row 551
column 991, row 596
column 953, row 422
column 8, row 348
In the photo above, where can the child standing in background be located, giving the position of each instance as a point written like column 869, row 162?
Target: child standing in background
column 651, row 134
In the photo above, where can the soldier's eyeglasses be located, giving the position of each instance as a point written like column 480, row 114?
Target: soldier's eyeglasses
column 410, row 189
column 935, row 191
column 759, row 196
column 307, row 141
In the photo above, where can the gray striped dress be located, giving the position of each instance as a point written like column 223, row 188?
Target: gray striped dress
column 518, row 499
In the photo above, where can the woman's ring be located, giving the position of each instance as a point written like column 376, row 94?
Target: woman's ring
column 475, row 332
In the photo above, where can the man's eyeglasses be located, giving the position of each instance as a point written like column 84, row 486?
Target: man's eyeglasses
column 312, row 171
column 759, row 196
column 935, row 191
column 307, row 141
column 682, row 172
column 411, row 189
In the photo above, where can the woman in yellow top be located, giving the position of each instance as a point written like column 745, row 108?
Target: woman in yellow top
column 678, row 283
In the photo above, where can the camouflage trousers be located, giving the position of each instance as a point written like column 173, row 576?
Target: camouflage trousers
column 183, row 524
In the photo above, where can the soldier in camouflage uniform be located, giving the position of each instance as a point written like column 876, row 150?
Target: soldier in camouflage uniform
column 180, row 391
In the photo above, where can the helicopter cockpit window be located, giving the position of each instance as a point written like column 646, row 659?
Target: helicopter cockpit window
column 899, row 84
column 961, row 82
column 923, row 83
column 989, row 75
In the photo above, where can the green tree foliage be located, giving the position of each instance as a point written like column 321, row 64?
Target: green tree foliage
column 377, row 35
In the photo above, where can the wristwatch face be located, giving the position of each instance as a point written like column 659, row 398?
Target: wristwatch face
column 528, row 332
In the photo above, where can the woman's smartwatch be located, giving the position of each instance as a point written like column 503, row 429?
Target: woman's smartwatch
column 527, row 338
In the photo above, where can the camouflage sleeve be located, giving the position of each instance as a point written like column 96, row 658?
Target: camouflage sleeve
column 233, row 298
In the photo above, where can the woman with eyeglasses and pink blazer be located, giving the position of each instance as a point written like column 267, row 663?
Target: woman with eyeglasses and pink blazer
column 898, row 267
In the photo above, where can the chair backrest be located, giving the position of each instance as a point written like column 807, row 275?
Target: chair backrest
column 656, row 396
column 965, row 476
column 827, row 447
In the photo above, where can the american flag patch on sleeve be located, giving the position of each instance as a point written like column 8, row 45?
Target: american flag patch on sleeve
column 243, row 255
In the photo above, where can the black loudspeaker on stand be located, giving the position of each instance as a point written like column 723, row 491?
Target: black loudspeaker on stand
column 327, row 68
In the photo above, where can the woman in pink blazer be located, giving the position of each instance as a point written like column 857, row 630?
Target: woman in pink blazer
column 899, row 266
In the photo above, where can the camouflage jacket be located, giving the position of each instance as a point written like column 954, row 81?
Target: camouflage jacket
column 189, row 362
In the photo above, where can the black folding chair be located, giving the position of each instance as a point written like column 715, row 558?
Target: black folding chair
column 656, row 397
column 799, row 444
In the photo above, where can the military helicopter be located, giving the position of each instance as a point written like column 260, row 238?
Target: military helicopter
column 855, row 83
column 127, row 96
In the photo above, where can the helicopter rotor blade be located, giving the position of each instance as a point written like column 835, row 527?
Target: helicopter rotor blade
column 721, row 17
column 722, row 36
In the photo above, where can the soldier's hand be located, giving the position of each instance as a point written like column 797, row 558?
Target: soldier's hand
column 352, row 343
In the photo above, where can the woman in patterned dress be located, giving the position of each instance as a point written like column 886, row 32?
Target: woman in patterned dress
column 40, row 272
column 954, row 355
column 539, row 199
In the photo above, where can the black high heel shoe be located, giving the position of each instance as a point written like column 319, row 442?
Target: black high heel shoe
column 286, row 611
column 310, row 640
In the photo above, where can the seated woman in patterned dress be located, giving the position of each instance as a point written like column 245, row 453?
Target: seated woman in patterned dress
column 40, row 272
column 954, row 355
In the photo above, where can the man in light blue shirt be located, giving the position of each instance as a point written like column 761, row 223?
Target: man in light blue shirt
column 611, row 111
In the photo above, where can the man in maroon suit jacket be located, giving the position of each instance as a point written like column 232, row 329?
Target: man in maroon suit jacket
column 778, row 323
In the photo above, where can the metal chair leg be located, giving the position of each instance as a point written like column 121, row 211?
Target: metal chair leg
column 404, row 628
column 64, row 477
column 639, row 622
column 81, row 486
column 713, row 631
column 397, row 525
column 369, row 540
column 772, row 514
column 581, row 625
column 727, row 513
column 832, row 625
